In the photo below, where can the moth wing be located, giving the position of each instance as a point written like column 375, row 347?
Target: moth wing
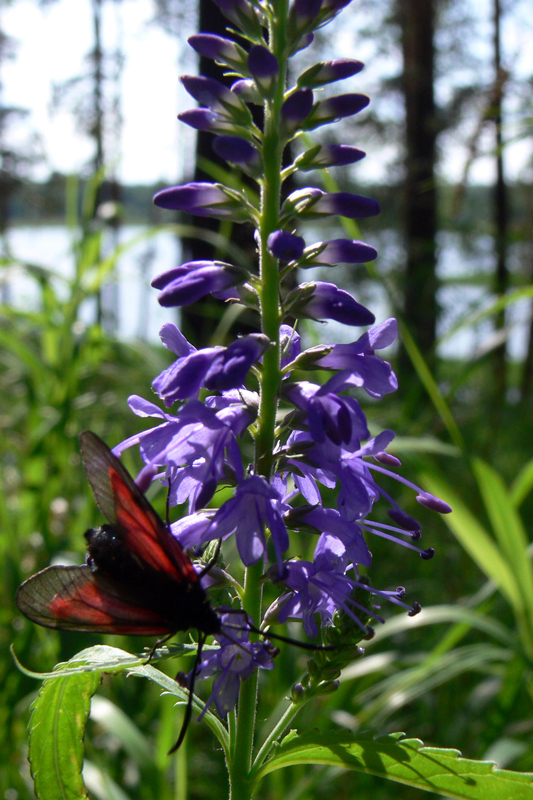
column 77, row 599
column 122, row 502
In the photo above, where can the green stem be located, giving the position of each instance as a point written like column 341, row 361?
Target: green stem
column 269, row 382
column 276, row 731
column 240, row 761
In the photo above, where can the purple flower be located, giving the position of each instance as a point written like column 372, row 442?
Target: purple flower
column 320, row 300
column 310, row 203
column 330, row 9
column 330, row 415
column 328, row 520
column 328, row 155
column 216, row 368
column 247, row 90
column 295, row 109
column 235, row 660
column 204, row 200
column 338, row 251
column 189, row 282
column 334, row 108
column 256, row 504
column 263, row 66
column 213, row 94
column 203, row 119
column 236, row 150
column 317, row 587
column 285, row 246
column 290, row 344
column 358, row 359
column 242, row 14
column 302, row 15
column 219, row 49
column 329, row 71
column 190, row 529
column 345, row 204
column 197, row 448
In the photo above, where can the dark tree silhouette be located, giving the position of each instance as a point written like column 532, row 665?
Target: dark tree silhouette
column 417, row 19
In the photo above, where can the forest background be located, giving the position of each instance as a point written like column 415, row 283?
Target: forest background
column 449, row 143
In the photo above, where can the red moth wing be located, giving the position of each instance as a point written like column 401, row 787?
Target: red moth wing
column 122, row 502
column 78, row 599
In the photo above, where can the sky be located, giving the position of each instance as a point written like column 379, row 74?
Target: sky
column 51, row 43
column 50, row 48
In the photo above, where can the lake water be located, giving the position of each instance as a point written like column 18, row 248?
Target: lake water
column 135, row 314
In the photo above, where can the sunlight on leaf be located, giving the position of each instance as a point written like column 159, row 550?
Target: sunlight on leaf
column 57, row 725
column 406, row 761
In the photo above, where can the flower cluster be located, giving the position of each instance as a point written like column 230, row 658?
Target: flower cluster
column 308, row 437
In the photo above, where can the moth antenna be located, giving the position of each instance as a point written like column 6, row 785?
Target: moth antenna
column 167, row 504
column 188, row 708
column 278, row 636
column 158, row 643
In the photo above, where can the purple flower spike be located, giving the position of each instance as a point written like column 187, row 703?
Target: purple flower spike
column 347, row 251
column 326, row 301
column 334, row 108
column 285, row 246
column 344, row 204
column 263, row 66
column 219, row 49
column 329, row 72
column 184, row 285
column 235, row 150
column 296, row 108
column 328, row 155
column 202, row 199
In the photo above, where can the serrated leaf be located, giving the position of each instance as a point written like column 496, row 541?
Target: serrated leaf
column 406, row 761
column 57, row 725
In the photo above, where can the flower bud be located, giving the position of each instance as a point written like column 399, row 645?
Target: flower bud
column 285, row 246
column 335, row 108
column 328, row 155
column 264, row 68
column 328, row 72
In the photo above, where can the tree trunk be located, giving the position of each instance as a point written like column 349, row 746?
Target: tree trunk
column 501, row 215
column 420, row 281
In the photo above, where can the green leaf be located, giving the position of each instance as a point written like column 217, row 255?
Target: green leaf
column 522, row 484
column 507, row 526
column 57, row 725
column 101, row 784
column 405, row 761
column 112, row 719
column 102, row 658
column 476, row 541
